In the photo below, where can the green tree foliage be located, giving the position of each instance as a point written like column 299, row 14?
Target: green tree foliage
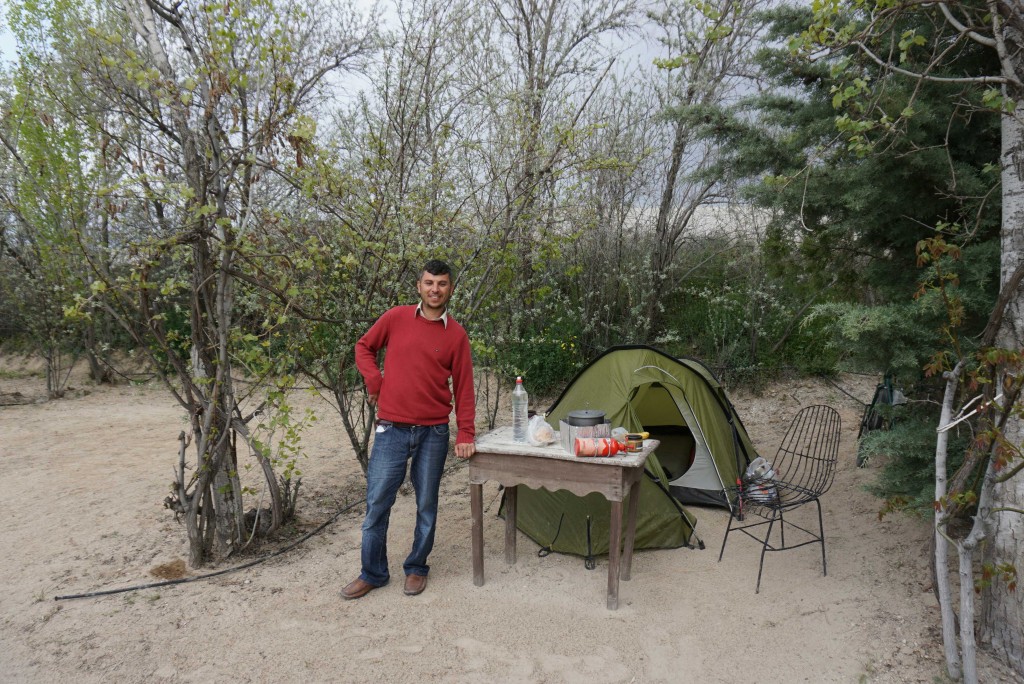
column 857, row 169
column 708, row 64
column 844, row 218
column 849, row 216
column 51, row 178
column 203, row 109
column 907, row 449
column 975, row 47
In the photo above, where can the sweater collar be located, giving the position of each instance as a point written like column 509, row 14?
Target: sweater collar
column 444, row 316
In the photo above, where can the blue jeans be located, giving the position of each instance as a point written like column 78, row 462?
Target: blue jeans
column 393, row 447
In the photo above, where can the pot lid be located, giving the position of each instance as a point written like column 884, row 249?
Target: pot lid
column 585, row 417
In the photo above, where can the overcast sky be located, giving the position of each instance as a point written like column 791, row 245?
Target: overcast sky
column 633, row 49
column 6, row 40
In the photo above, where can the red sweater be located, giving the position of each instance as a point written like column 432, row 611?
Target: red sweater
column 421, row 356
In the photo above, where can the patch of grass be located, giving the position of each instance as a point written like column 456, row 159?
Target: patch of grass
column 7, row 374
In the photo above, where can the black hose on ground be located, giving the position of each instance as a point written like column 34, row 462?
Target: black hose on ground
column 196, row 578
column 243, row 566
column 834, row 384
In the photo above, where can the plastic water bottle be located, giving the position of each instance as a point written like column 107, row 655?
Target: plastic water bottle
column 520, row 400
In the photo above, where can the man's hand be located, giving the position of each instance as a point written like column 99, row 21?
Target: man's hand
column 465, row 450
column 371, row 399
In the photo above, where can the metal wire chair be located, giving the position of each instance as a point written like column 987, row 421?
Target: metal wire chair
column 804, row 469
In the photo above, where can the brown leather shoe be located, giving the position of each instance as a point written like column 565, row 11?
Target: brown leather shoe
column 415, row 584
column 357, row 588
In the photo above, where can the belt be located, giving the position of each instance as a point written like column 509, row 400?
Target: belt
column 396, row 424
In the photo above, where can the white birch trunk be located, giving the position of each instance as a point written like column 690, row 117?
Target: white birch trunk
column 949, row 643
column 1003, row 610
column 965, row 553
column 966, row 550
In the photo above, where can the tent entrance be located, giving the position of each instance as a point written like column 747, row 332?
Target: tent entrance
column 685, row 456
column 656, row 410
column 677, row 450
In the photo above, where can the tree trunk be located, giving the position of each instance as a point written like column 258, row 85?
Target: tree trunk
column 965, row 554
column 227, row 503
column 1002, row 624
column 941, row 542
column 98, row 371
column 661, row 255
column 966, row 549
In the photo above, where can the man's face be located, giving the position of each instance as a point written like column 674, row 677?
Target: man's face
column 435, row 291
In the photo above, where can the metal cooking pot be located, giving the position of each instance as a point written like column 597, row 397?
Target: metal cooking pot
column 585, row 418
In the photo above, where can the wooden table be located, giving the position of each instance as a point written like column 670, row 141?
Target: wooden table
column 511, row 464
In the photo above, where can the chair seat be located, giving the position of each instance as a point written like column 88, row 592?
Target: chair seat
column 787, row 495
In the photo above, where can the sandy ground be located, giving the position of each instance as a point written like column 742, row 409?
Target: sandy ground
column 85, row 479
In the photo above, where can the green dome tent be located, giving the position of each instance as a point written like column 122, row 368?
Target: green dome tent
column 704, row 447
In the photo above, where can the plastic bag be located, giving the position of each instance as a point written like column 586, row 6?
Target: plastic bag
column 759, row 482
column 539, row 432
column 759, row 469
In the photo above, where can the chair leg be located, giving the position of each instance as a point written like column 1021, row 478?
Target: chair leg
column 764, row 549
column 728, row 529
column 821, row 537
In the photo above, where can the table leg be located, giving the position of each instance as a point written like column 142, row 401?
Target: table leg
column 614, row 544
column 511, row 497
column 476, row 505
column 631, row 511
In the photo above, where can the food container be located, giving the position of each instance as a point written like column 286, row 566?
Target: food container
column 597, row 447
column 635, row 441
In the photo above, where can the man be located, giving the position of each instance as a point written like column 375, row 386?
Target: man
column 425, row 347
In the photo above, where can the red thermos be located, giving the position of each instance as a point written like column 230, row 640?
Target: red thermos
column 598, row 446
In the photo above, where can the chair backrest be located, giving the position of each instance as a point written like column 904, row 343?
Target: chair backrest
column 806, row 460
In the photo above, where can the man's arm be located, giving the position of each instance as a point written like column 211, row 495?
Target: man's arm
column 465, row 401
column 366, row 351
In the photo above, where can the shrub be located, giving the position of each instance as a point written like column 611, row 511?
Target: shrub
column 907, row 475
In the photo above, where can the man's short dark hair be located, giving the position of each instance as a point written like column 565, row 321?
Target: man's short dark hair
column 436, row 267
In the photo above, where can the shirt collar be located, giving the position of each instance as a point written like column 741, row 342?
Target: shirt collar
column 444, row 316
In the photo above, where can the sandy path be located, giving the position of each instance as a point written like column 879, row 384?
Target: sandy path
column 83, row 489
